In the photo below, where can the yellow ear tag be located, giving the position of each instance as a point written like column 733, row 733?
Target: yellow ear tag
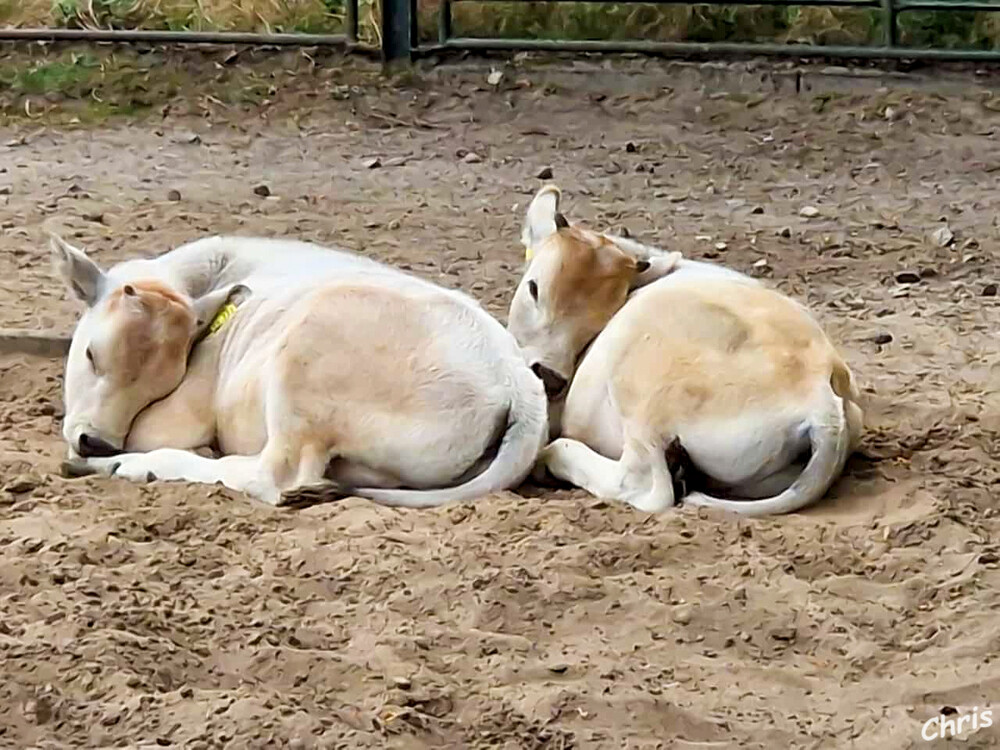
column 528, row 255
column 224, row 314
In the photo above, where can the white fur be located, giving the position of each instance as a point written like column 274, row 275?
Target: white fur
column 236, row 391
column 747, row 441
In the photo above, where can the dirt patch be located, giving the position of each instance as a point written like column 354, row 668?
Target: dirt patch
column 188, row 616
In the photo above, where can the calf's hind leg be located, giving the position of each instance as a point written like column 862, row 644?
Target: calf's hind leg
column 640, row 477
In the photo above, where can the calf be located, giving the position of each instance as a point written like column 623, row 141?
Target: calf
column 311, row 370
column 641, row 350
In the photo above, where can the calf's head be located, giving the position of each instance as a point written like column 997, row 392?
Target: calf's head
column 574, row 283
column 129, row 349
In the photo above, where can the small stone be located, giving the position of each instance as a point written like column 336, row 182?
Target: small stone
column 545, row 173
column 762, row 263
column 262, row 190
column 943, row 236
column 907, row 277
column 882, row 338
column 494, row 78
column 757, row 210
column 403, row 683
column 720, row 246
column 173, row 195
column 630, row 147
column 4, row 189
column 22, row 484
column 809, row 212
column 783, row 634
column 785, row 232
column 372, row 163
column 558, row 668
column 38, row 711
column 682, row 614
column 472, row 158
column 990, row 290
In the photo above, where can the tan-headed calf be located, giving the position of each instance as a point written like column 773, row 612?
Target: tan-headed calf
column 309, row 369
column 640, row 349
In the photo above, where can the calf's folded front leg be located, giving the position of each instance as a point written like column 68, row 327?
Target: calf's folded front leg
column 248, row 474
column 640, row 477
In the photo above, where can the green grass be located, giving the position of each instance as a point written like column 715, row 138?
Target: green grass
column 307, row 16
column 68, row 77
column 93, row 86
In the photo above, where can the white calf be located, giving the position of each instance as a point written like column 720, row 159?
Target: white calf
column 308, row 368
column 663, row 350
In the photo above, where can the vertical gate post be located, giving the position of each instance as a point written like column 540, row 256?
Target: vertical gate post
column 351, row 21
column 889, row 18
column 396, row 27
column 444, row 22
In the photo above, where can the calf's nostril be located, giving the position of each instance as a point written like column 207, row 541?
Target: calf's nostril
column 554, row 382
column 95, row 447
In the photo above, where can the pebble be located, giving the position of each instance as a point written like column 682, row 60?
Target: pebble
column 262, row 190
column 22, row 484
column 682, row 614
column 783, row 634
column 943, row 236
column 809, row 212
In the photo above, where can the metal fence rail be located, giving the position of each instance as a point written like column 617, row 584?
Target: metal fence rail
column 400, row 35
column 888, row 49
column 347, row 40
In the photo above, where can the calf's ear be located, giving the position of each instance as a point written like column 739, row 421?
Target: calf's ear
column 542, row 219
column 84, row 278
column 213, row 309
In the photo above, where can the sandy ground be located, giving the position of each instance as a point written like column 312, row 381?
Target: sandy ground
column 171, row 615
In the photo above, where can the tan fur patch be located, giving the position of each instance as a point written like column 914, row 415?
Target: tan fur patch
column 715, row 350
column 149, row 290
column 591, row 280
column 158, row 338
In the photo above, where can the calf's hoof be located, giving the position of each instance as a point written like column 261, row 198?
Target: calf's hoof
column 312, row 494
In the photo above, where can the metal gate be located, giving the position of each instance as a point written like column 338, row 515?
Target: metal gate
column 400, row 35
column 890, row 11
